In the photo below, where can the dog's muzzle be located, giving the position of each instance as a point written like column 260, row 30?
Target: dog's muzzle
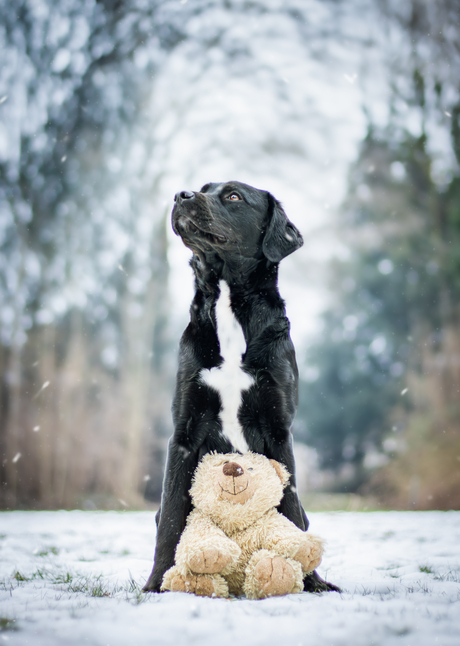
column 184, row 195
column 192, row 220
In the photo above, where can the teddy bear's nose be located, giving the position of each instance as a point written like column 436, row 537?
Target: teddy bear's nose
column 232, row 469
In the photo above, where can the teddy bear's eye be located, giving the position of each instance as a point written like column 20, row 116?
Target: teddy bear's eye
column 250, row 469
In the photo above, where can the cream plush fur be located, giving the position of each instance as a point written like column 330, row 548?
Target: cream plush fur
column 235, row 541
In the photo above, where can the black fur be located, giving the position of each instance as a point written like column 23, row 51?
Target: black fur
column 239, row 234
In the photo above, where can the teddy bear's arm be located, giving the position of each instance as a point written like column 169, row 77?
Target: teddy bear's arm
column 205, row 549
column 282, row 536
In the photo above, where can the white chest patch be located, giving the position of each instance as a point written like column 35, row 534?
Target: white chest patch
column 229, row 379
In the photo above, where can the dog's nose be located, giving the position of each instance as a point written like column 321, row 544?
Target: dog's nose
column 232, row 469
column 183, row 195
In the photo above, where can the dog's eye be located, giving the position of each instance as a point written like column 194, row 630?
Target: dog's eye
column 234, row 197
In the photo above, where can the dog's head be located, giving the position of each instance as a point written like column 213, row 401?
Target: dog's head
column 232, row 219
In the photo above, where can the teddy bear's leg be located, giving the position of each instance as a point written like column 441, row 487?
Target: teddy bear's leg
column 210, row 559
column 205, row 549
column 270, row 575
column 200, row 584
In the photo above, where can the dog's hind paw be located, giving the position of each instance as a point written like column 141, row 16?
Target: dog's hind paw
column 314, row 583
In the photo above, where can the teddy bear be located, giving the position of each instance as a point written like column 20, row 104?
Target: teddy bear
column 235, row 541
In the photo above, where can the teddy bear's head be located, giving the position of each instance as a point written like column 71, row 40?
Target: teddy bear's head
column 235, row 490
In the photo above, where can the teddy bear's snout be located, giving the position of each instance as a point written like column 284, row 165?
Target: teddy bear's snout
column 232, row 469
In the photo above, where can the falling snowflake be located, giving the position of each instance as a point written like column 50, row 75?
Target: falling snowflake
column 45, row 385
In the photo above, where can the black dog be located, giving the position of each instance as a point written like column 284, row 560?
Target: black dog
column 237, row 381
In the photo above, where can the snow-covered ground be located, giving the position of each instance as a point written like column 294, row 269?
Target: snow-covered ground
column 75, row 578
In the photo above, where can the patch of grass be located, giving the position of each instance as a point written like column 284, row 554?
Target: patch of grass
column 386, row 596
column 78, row 585
column 99, row 591
column 451, row 575
column 63, row 579
column 39, row 574
column 6, row 623
column 88, row 585
column 420, row 587
column 5, row 585
column 22, row 578
column 134, row 592
column 426, row 568
column 46, row 551
column 394, row 575
column 92, row 586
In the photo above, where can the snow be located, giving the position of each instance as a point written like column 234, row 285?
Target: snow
column 399, row 571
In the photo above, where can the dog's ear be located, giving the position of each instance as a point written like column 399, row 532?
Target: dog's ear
column 281, row 237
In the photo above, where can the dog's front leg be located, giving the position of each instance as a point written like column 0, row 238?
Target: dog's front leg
column 173, row 512
column 290, row 505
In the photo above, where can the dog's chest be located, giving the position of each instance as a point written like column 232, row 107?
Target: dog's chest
column 229, row 379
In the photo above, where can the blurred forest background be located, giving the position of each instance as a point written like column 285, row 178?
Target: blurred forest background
column 349, row 111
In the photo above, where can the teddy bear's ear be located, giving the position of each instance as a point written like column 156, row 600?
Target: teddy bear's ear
column 281, row 471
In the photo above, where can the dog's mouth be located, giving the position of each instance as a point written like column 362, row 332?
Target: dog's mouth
column 187, row 228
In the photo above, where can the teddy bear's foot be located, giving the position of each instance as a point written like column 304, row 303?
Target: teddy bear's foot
column 209, row 560
column 273, row 576
column 270, row 575
column 309, row 553
column 200, row 584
